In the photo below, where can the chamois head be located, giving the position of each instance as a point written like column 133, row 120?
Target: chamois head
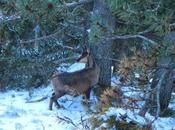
column 84, row 56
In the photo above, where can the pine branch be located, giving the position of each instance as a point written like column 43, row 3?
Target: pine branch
column 50, row 37
column 12, row 18
column 42, row 38
column 79, row 3
column 66, row 5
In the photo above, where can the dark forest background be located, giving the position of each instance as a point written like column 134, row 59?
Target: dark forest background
column 136, row 37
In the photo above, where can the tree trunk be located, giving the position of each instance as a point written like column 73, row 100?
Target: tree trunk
column 165, row 89
column 167, row 83
column 102, row 49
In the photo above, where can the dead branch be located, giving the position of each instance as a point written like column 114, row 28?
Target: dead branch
column 66, row 120
column 130, row 36
column 38, row 100
column 125, row 37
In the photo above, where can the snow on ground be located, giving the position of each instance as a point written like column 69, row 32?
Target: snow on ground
column 162, row 123
column 159, row 124
column 17, row 114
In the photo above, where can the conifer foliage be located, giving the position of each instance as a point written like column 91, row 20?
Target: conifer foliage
column 32, row 38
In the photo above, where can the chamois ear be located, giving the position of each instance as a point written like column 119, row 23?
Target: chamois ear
column 84, row 48
column 88, row 50
column 84, row 56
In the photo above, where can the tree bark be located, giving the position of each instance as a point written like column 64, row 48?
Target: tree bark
column 166, row 85
column 102, row 49
column 168, row 82
column 165, row 89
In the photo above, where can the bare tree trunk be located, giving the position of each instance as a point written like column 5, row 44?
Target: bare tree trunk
column 166, row 83
column 102, row 49
column 165, row 90
column 158, row 104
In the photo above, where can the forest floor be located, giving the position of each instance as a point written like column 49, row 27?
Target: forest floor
column 18, row 112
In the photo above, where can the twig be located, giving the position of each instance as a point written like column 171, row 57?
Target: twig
column 42, row 126
column 84, row 124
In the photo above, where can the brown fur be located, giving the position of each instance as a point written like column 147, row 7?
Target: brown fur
column 74, row 83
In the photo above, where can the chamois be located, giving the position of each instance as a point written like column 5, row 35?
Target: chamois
column 75, row 83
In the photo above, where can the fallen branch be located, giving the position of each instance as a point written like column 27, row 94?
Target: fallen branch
column 66, row 120
column 38, row 100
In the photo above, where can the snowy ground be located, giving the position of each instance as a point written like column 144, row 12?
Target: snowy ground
column 17, row 114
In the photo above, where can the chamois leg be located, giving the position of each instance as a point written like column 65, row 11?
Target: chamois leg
column 87, row 97
column 53, row 99
column 87, row 94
